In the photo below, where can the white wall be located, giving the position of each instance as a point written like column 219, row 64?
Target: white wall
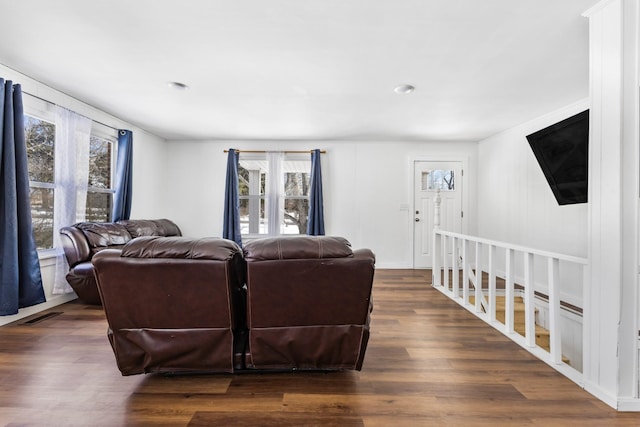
column 149, row 176
column 515, row 203
column 148, row 180
column 367, row 188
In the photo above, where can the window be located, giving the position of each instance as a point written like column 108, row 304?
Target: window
column 40, row 140
column 287, row 190
column 100, row 188
column 443, row 180
column 297, row 182
column 42, row 146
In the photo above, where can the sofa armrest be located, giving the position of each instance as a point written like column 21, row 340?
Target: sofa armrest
column 75, row 245
column 364, row 254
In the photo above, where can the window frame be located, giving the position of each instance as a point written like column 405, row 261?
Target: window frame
column 109, row 135
column 43, row 110
column 39, row 109
column 256, row 220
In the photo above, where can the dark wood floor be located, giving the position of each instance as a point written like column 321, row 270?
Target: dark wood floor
column 429, row 363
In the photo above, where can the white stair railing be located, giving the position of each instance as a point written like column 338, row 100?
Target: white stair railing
column 457, row 256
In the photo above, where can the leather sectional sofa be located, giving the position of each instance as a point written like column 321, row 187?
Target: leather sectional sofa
column 83, row 240
column 175, row 304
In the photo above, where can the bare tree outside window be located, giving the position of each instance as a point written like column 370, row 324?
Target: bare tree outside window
column 296, row 202
column 40, row 144
column 99, row 193
column 252, row 175
column 40, row 138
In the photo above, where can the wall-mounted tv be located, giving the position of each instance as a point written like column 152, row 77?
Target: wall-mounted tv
column 562, row 151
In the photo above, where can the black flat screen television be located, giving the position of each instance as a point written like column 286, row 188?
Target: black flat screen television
column 562, row 150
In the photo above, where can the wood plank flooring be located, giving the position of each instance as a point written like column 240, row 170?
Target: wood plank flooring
column 429, row 363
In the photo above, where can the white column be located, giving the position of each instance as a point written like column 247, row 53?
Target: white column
column 610, row 312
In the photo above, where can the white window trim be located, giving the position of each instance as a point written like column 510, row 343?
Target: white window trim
column 46, row 111
column 281, row 197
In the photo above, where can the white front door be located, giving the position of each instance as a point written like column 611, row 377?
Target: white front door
column 429, row 176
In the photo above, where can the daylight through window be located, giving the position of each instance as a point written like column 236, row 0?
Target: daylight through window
column 273, row 202
column 40, row 142
column 40, row 138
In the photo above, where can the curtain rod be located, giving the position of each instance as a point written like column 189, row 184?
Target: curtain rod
column 53, row 103
column 286, row 151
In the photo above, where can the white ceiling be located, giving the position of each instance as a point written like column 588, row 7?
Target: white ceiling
column 307, row 69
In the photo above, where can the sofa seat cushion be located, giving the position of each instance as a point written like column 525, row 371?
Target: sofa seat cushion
column 211, row 248
column 298, row 247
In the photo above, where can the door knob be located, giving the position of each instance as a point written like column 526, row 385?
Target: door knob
column 417, row 219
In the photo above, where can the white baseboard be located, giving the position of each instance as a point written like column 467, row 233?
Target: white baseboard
column 629, row 405
column 393, row 266
column 601, row 394
column 30, row 311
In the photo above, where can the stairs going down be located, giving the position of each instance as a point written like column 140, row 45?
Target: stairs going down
column 542, row 334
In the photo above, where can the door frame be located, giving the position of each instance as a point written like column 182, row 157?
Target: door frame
column 466, row 190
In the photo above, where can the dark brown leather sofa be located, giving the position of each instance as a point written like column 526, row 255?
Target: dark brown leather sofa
column 308, row 303
column 174, row 304
column 83, row 240
column 184, row 305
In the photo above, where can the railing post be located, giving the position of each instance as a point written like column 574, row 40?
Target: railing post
column 529, row 306
column 555, row 339
column 492, row 283
column 437, row 200
column 436, row 277
column 465, row 271
column 455, row 271
column 478, row 289
column 445, row 263
column 509, row 291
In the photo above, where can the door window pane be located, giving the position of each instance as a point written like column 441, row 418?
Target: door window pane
column 438, row 179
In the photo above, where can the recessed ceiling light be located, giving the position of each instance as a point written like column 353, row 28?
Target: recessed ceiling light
column 404, row 89
column 177, row 86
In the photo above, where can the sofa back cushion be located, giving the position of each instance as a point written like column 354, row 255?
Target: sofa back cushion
column 308, row 302
column 172, row 303
column 298, row 247
column 103, row 235
column 210, row 248
column 150, row 227
column 167, row 227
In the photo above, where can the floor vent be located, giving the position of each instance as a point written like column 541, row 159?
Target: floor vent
column 42, row 318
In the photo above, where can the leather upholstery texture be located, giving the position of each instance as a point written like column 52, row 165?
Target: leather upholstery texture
column 299, row 247
column 168, row 311
column 308, row 303
column 83, row 240
column 177, row 304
